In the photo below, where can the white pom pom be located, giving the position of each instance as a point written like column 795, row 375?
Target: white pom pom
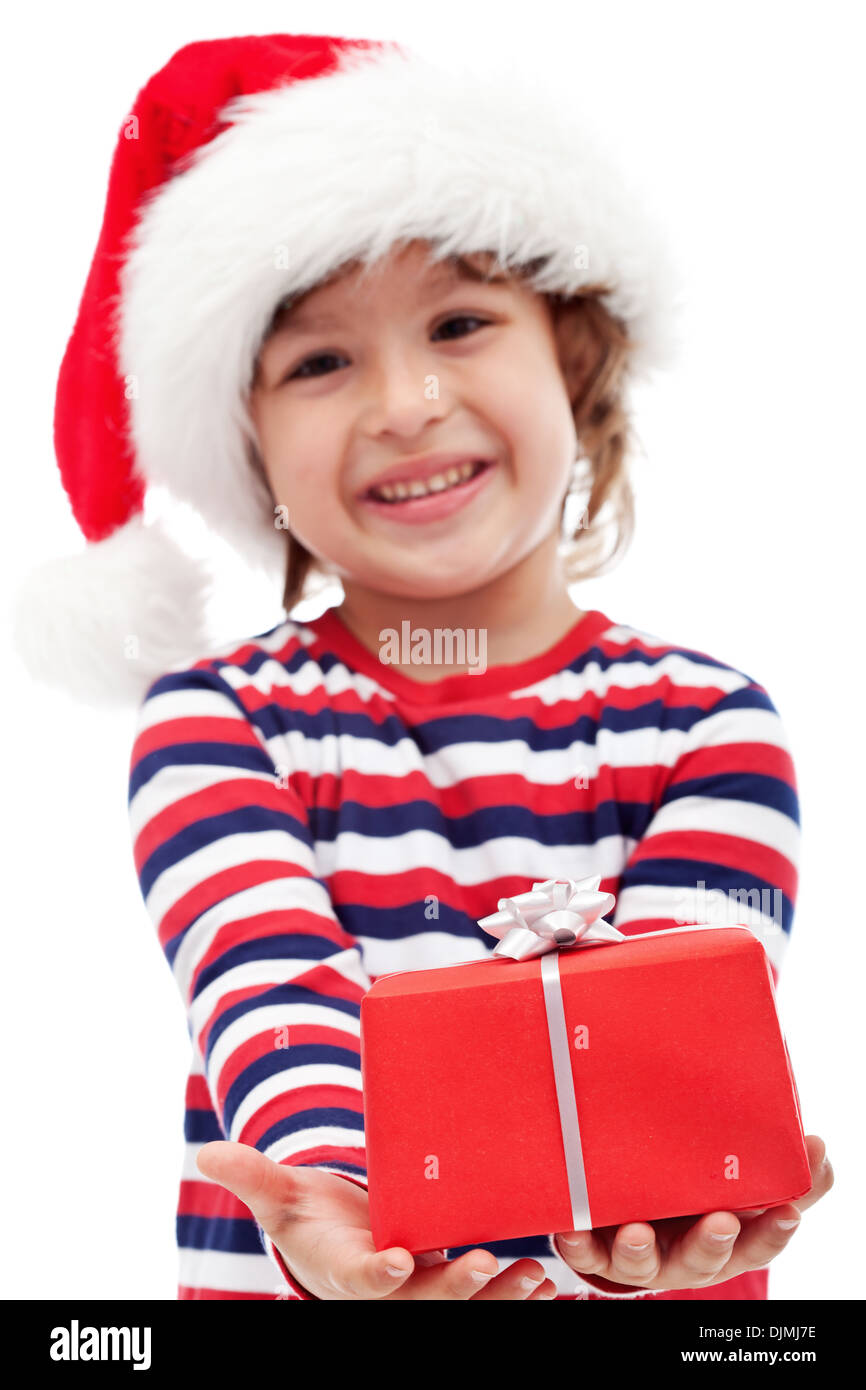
column 103, row 625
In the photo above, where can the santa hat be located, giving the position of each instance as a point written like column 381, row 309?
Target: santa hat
column 250, row 169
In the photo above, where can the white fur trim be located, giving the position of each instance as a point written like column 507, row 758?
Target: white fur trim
column 102, row 625
column 387, row 148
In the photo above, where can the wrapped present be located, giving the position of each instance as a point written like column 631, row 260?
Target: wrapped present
column 576, row 1078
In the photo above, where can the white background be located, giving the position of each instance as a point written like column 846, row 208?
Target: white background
column 742, row 125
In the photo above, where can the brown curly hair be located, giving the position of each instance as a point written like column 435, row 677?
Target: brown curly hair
column 597, row 355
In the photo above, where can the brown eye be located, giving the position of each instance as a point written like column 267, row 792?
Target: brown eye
column 461, row 318
column 301, row 374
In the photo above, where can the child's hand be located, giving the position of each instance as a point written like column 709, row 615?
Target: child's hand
column 320, row 1224
column 682, row 1253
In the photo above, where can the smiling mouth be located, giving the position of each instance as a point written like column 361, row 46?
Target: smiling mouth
column 446, row 481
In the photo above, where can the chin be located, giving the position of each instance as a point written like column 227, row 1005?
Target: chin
column 433, row 587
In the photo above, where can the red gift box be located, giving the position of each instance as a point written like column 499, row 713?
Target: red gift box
column 683, row 1099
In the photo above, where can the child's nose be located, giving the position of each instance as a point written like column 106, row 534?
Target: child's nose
column 407, row 394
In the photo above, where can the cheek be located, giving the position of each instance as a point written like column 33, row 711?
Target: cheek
column 525, row 399
column 553, row 422
column 545, row 447
column 303, row 481
column 297, row 462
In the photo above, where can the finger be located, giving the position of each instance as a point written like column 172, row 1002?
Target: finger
column 701, row 1254
column 763, row 1239
column 455, row 1281
column 823, row 1181
column 821, row 1169
column 521, row 1282
column 270, row 1190
column 816, row 1149
column 635, row 1256
column 548, row 1291
column 583, row 1251
column 356, row 1272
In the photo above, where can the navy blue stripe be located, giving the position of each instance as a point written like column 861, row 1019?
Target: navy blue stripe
column 754, row 787
column 230, row 1235
column 477, row 828
column 291, row 1124
column 431, row 736
column 201, row 1126
column 215, row 754
column 245, row 820
column 298, row 659
column 284, row 1060
column 751, row 696
column 526, row 1248
column 292, row 946
column 205, row 678
column 395, row 923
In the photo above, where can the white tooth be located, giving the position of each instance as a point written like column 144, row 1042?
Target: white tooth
column 398, row 492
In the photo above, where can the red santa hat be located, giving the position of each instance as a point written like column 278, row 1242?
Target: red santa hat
column 250, row 169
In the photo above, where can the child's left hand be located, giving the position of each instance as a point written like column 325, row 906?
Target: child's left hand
column 681, row 1253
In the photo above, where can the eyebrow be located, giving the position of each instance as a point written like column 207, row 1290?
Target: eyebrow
column 291, row 316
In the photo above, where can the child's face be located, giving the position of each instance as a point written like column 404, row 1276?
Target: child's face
column 415, row 361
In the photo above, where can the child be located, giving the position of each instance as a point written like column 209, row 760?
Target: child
column 377, row 320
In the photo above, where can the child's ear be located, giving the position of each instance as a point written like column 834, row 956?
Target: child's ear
column 579, row 346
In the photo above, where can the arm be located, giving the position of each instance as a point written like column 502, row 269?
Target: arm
column 271, row 982
column 727, row 818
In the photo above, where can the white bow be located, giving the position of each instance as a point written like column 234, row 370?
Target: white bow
column 557, row 914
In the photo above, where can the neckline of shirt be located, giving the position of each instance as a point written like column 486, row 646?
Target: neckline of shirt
column 335, row 637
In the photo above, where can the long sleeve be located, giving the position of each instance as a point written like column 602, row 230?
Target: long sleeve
column 722, row 844
column 271, row 982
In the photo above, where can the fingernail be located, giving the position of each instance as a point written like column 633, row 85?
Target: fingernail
column 394, row 1271
column 573, row 1238
column 787, row 1225
column 480, row 1275
column 528, row 1283
column 716, row 1235
column 638, row 1248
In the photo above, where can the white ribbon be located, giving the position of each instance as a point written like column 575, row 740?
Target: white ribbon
column 560, row 1052
column 555, row 915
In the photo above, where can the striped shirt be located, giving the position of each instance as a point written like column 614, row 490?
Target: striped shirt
column 306, row 818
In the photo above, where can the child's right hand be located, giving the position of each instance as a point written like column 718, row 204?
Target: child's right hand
column 320, row 1224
